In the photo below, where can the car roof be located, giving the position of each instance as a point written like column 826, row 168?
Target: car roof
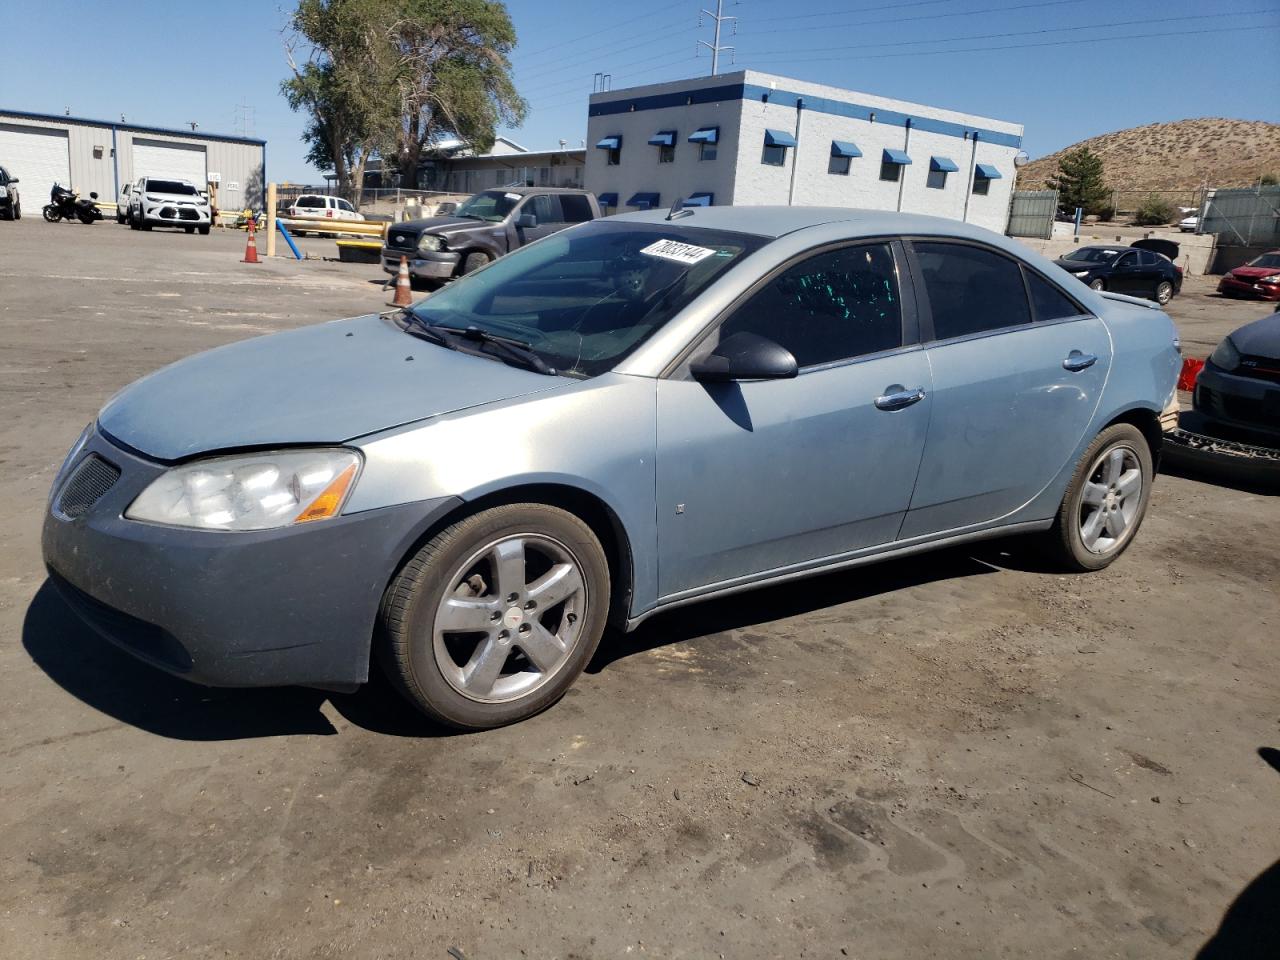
column 523, row 191
column 779, row 221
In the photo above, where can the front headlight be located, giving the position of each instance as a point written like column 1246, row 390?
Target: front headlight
column 429, row 243
column 1226, row 356
column 1079, row 273
column 256, row 491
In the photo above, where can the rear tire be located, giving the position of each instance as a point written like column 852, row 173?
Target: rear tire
column 17, row 210
column 1164, row 292
column 1105, row 502
column 473, row 262
column 457, row 618
column 1098, row 285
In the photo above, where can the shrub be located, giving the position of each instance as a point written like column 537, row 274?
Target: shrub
column 1154, row 211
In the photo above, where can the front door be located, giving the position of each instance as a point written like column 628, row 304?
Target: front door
column 544, row 206
column 1015, row 385
column 761, row 476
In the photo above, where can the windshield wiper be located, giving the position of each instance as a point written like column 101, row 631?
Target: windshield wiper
column 517, row 350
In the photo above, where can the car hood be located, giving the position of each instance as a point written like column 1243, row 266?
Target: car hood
column 1253, row 273
column 445, row 226
column 328, row 383
column 1260, row 338
column 1076, row 266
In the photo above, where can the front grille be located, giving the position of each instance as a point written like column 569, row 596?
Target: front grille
column 87, row 484
column 186, row 213
column 1259, row 368
column 401, row 241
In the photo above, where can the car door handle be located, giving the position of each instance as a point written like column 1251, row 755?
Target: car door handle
column 899, row 398
column 1078, row 361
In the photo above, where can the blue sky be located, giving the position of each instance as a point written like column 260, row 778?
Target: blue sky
column 135, row 57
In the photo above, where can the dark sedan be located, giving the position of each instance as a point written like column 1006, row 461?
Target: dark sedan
column 1240, row 383
column 1260, row 278
column 1138, row 273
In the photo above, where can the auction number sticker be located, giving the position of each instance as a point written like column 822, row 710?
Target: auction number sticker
column 677, row 251
column 512, row 196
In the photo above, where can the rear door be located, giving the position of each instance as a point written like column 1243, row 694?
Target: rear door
column 1018, row 369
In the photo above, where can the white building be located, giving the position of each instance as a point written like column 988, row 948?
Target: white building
column 102, row 156
column 751, row 138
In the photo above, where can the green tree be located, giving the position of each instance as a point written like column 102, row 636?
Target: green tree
column 390, row 77
column 1154, row 211
column 1079, row 182
column 1269, row 180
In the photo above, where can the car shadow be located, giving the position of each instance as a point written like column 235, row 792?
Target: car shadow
column 113, row 682
column 755, row 607
column 1250, row 929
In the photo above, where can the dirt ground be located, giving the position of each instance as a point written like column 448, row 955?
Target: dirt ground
column 951, row 756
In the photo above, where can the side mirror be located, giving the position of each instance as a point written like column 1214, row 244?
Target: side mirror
column 527, row 221
column 13, row 179
column 745, row 356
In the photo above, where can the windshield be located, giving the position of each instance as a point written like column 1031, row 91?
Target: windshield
column 170, row 186
column 490, row 205
column 586, row 297
column 1093, row 254
column 1266, row 260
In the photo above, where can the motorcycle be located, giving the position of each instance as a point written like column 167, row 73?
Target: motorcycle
column 66, row 204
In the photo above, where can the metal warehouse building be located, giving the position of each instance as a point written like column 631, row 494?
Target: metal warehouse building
column 751, row 138
column 100, row 155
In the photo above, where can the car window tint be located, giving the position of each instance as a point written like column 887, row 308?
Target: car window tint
column 344, row 205
column 577, row 209
column 1128, row 260
column 311, row 201
column 833, row 306
column 1049, row 302
column 546, row 208
column 1148, row 258
column 971, row 290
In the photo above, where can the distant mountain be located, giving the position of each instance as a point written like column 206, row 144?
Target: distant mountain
column 1181, row 155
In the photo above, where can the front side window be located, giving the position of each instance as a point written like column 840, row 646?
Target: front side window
column 833, row 306
column 706, row 151
column 492, row 205
column 585, row 298
column 344, row 205
column 1049, row 302
column 971, row 289
column 545, row 207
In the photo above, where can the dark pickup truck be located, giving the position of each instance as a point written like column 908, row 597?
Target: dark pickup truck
column 485, row 227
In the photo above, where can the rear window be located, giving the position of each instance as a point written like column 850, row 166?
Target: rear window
column 171, row 186
column 311, row 202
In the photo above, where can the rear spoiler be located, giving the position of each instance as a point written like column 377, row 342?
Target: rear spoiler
column 1133, row 301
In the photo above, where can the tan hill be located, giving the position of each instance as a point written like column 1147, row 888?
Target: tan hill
column 1175, row 156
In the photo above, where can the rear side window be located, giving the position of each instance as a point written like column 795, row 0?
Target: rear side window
column 577, row 209
column 833, row 306
column 1048, row 301
column 1147, row 258
column 971, row 290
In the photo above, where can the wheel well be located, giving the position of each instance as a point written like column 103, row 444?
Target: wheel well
column 1149, row 423
column 588, row 508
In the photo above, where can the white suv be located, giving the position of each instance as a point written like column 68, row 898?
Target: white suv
column 314, row 206
column 168, row 203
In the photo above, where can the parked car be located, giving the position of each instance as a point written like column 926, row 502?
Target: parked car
column 10, row 201
column 314, row 206
column 1239, row 386
column 628, row 416
column 122, row 203
column 1128, row 270
column 487, row 226
column 1259, row 278
column 157, row 201
column 1189, row 224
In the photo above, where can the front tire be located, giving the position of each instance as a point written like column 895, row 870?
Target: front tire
column 493, row 620
column 51, row 213
column 1105, row 502
column 204, row 231
column 1098, row 284
column 17, row 210
column 473, row 262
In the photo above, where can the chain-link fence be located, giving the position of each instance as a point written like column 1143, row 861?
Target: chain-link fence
column 1244, row 217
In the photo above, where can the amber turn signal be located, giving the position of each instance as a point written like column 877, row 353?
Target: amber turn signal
column 330, row 499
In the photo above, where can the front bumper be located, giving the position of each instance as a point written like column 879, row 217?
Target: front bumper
column 295, row 605
column 175, row 214
column 440, row 265
column 1244, row 288
column 1246, row 403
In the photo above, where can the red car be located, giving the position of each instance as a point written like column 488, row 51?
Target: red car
column 1259, row 278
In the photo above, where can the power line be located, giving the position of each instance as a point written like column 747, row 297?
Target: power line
column 542, row 90
column 833, row 13
column 576, row 62
column 930, row 16
column 596, row 33
column 683, row 58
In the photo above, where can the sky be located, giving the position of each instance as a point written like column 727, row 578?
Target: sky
column 1065, row 69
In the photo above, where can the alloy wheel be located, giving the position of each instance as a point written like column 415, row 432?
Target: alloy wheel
column 1111, row 499
column 511, row 618
column 1164, row 292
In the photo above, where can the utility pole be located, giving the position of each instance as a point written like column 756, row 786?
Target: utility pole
column 715, row 47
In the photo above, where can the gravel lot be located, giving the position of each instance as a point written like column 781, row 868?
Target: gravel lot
column 959, row 755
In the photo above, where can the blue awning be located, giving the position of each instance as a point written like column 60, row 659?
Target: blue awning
column 705, row 135
column 943, row 165
column 986, row 171
column 701, row 200
column 843, row 148
column 896, row 156
column 663, row 138
column 611, row 142
column 778, row 138
column 645, row 201
column 608, row 199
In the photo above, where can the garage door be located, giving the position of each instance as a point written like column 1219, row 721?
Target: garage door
column 38, row 157
column 172, row 161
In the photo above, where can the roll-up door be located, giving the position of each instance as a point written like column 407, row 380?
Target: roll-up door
column 170, row 161
column 38, row 157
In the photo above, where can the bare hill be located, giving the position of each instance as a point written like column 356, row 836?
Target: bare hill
column 1176, row 156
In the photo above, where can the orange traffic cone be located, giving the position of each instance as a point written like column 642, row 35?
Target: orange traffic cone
column 404, row 292
column 251, row 247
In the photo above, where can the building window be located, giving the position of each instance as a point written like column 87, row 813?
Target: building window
column 666, row 154
column 615, row 156
column 774, row 156
column 706, row 151
column 890, row 171
column 937, row 179
column 981, row 186
column 838, row 165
